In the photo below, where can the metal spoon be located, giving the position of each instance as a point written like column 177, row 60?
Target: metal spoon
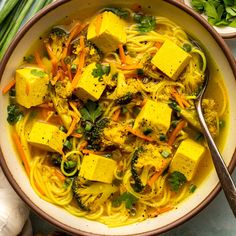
column 226, row 181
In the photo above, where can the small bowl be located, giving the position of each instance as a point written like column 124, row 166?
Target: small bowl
column 12, row 167
column 226, row 32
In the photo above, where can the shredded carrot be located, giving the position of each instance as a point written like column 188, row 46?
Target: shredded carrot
column 72, row 126
column 38, row 60
column 59, row 175
column 98, row 24
column 116, row 115
column 158, row 44
column 52, row 57
column 21, row 152
column 73, row 106
column 69, row 72
column 8, row 86
column 83, row 145
column 180, row 99
column 175, row 132
column 48, row 105
column 81, row 64
column 122, row 54
column 75, row 31
column 165, row 209
column 161, row 210
column 27, row 88
column 87, row 151
column 144, row 102
column 154, row 178
column 138, row 134
column 130, row 67
column 76, row 135
column 56, row 77
column 39, row 188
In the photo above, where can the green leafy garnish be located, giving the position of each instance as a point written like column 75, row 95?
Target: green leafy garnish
column 67, row 144
column 38, row 73
column 100, row 70
column 165, row 153
column 192, row 188
column 219, row 12
column 176, row 180
column 128, row 198
column 14, row 114
column 29, row 59
column 122, row 13
column 145, row 23
column 91, row 111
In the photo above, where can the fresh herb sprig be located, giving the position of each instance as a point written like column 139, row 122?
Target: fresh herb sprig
column 145, row 23
column 176, row 180
column 219, row 12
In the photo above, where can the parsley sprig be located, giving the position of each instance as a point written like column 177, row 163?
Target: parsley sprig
column 100, row 71
column 176, row 180
column 145, row 23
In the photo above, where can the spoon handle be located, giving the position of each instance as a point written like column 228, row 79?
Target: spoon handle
column 225, row 179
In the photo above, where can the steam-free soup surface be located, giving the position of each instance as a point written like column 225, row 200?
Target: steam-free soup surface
column 104, row 118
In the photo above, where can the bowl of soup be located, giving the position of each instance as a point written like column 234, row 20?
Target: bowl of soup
column 101, row 135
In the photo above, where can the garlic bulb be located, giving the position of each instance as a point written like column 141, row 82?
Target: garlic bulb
column 13, row 212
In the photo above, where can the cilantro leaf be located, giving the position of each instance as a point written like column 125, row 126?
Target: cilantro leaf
column 219, row 12
column 91, row 111
column 128, row 198
column 145, row 23
column 14, row 114
column 38, row 73
column 176, row 180
column 122, row 13
column 100, row 70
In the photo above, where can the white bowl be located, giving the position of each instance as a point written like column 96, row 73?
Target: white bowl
column 195, row 25
column 226, row 32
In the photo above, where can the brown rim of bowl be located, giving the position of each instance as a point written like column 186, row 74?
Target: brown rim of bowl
column 54, row 221
column 223, row 35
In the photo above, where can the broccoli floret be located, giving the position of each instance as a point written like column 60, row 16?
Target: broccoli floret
column 90, row 195
column 63, row 88
column 94, row 131
column 114, row 135
column 125, row 99
column 138, row 186
column 57, row 39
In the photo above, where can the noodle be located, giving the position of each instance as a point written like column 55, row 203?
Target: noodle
column 105, row 129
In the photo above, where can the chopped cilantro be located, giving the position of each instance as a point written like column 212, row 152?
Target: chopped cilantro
column 14, row 114
column 101, row 70
column 145, row 23
column 165, row 153
column 128, row 198
column 28, row 59
column 38, row 73
column 176, row 180
column 192, row 188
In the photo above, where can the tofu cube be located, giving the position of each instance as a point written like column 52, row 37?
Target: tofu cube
column 107, row 31
column 89, row 87
column 97, row 168
column 155, row 116
column 187, row 158
column 171, row 59
column 47, row 137
column 31, row 86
